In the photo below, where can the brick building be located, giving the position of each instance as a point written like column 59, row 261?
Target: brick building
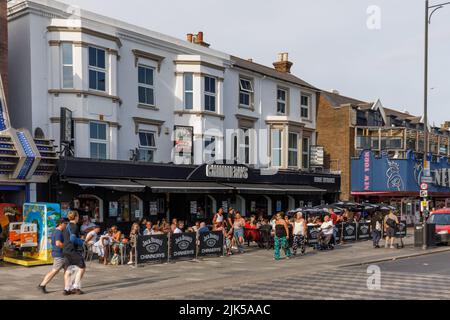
column 334, row 132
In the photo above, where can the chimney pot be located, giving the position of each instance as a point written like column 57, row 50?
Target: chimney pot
column 189, row 37
column 200, row 37
column 283, row 64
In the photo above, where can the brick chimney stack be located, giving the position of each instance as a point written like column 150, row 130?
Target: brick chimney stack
column 283, row 64
column 197, row 39
column 4, row 45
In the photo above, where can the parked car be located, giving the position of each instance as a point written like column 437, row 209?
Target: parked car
column 441, row 218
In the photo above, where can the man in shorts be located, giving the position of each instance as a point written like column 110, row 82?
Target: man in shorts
column 57, row 240
column 390, row 223
column 73, row 246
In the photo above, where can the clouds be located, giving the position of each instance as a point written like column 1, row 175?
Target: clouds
column 327, row 40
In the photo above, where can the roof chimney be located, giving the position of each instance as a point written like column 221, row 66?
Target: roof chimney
column 335, row 91
column 197, row 39
column 283, row 64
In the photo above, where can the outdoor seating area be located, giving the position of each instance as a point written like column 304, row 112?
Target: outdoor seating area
column 351, row 222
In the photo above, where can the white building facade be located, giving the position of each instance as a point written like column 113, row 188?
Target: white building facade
column 133, row 93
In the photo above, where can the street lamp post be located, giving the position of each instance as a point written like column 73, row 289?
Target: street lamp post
column 428, row 17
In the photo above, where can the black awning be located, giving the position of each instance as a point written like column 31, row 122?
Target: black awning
column 256, row 188
column 185, row 186
column 113, row 184
column 253, row 188
column 299, row 189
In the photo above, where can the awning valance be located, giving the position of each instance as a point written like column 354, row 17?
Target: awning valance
column 300, row 189
column 275, row 189
column 113, row 184
column 184, row 186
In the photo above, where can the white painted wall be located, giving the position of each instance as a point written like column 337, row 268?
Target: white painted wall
column 36, row 68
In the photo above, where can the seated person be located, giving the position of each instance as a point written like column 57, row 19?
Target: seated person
column 93, row 236
column 203, row 228
column 101, row 246
column 148, row 229
column 116, row 239
column 87, row 225
column 157, row 230
column 326, row 231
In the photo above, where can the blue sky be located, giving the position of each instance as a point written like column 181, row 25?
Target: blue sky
column 328, row 41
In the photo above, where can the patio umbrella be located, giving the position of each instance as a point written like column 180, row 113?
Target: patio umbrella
column 350, row 205
column 335, row 209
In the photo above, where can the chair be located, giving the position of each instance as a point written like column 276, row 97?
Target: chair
column 88, row 253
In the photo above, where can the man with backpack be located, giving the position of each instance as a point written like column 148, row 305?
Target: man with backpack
column 73, row 255
column 390, row 223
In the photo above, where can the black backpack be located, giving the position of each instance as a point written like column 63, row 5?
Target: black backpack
column 391, row 223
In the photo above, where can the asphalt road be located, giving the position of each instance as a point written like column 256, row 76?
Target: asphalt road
column 433, row 264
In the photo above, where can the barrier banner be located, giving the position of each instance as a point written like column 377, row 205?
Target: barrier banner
column 152, row 248
column 182, row 245
column 363, row 231
column 400, row 230
column 349, row 231
column 313, row 233
column 210, row 243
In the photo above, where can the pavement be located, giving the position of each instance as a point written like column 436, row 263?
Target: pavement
column 337, row 274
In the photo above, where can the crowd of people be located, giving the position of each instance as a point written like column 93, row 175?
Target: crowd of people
column 72, row 239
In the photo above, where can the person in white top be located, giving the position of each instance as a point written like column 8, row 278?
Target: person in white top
column 300, row 232
column 175, row 229
column 326, row 232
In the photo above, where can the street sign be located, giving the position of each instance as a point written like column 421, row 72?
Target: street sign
column 426, row 179
column 424, row 206
column 423, row 193
column 424, row 186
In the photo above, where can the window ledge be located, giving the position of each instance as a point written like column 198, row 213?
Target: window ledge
column 85, row 93
column 246, row 108
column 147, row 106
column 199, row 113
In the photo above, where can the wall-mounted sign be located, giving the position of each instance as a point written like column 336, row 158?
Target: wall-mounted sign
column 153, row 208
column 317, row 155
column 113, row 208
column 226, row 171
column 183, row 144
column 66, row 125
column 278, row 206
column 324, row 180
column 225, row 206
column 193, row 207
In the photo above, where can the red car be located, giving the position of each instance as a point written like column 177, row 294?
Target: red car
column 441, row 218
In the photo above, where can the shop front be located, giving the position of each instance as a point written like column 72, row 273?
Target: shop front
column 121, row 192
column 397, row 182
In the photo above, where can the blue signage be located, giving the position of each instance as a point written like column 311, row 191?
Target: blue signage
column 383, row 174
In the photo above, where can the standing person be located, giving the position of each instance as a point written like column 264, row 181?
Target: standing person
column 390, row 222
column 281, row 236
column 231, row 216
column 238, row 231
column 142, row 225
column 299, row 233
column 134, row 233
column 218, row 218
column 57, row 241
column 72, row 254
column 377, row 225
